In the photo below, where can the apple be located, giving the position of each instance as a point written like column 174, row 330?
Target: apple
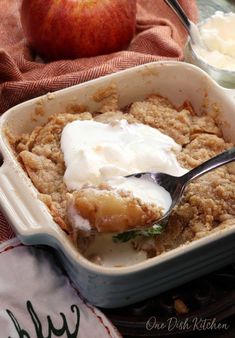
column 68, row 29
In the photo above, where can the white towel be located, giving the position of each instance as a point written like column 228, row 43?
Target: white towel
column 37, row 300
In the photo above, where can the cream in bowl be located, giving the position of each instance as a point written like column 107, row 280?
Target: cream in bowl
column 217, row 54
column 218, row 35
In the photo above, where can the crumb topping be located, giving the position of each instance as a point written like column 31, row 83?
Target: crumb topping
column 207, row 204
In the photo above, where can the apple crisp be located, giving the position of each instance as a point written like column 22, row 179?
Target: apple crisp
column 108, row 210
column 207, row 204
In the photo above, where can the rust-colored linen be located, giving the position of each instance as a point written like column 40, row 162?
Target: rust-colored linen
column 159, row 36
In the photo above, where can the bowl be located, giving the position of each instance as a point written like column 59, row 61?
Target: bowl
column 223, row 77
column 102, row 286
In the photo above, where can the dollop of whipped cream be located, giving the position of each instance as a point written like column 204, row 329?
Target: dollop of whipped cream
column 218, row 35
column 95, row 152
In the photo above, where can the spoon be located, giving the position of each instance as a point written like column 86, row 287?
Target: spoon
column 191, row 28
column 176, row 185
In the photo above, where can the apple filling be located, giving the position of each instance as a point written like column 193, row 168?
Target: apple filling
column 109, row 211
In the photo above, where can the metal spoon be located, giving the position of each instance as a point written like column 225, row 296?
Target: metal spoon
column 176, row 185
column 191, row 28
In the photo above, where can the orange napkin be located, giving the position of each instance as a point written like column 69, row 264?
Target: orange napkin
column 159, row 36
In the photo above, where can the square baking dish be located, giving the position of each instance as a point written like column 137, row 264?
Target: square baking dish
column 112, row 287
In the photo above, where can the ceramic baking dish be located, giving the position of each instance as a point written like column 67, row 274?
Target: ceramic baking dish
column 109, row 286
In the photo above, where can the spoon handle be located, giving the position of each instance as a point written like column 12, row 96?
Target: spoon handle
column 179, row 12
column 213, row 163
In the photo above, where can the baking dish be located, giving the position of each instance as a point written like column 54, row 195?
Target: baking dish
column 112, row 287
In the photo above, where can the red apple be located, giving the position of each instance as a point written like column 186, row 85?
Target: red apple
column 68, row 29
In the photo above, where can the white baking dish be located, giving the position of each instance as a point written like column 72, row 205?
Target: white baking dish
column 105, row 286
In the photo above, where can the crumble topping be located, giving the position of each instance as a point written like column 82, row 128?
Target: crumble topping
column 207, row 204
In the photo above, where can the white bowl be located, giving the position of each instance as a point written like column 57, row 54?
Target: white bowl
column 224, row 77
column 30, row 218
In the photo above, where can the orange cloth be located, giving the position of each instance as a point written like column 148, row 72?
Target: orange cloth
column 159, row 36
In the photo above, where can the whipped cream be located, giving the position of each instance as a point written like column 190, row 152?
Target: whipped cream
column 218, row 35
column 95, row 152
